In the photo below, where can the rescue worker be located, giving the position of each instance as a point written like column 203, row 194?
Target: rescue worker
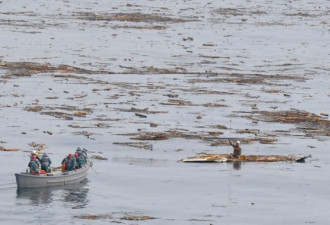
column 36, row 159
column 34, row 168
column 84, row 151
column 70, row 162
column 64, row 161
column 80, row 160
column 45, row 162
column 79, row 151
column 237, row 149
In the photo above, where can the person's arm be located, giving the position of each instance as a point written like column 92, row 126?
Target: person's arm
column 231, row 143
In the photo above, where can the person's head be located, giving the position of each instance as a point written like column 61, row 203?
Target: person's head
column 37, row 153
column 70, row 155
column 33, row 152
column 76, row 154
column 238, row 143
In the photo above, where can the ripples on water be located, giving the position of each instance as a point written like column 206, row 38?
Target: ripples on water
column 71, row 195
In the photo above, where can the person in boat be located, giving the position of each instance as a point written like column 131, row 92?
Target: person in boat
column 45, row 162
column 34, row 168
column 70, row 162
column 79, row 151
column 83, row 153
column 80, row 160
column 36, row 158
column 237, row 149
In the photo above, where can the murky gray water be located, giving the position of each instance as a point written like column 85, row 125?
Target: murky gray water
column 197, row 73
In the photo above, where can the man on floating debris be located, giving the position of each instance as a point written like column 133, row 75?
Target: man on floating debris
column 45, row 162
column 34, row 168
column 237, row 149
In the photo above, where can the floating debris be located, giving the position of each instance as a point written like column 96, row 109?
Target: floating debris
column 135, row 144
column 114, row 216
column 29, row 68
column 140, row 115
column 84, row 133
column 34, row 109
column 80, row 114
column 98, row 157
column 313, row 122
column 241, row 78
column 9, row 149
column 177, row 102
column 215, row 132
column 94, row 217
column 172, row 95
column 153, row 124
column 52, row 97
column 128, row 17
column 97, row 89
column 146, row 111
column 243, row 158
column 221, row 127
column 293, row 116
column 267, row 140
column 137, row 218
column 37, row 146
column 248, row 131
column 48, row 132
column 152, row 136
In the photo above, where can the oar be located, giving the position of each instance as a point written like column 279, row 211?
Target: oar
column 57, row 168
column 91, row 166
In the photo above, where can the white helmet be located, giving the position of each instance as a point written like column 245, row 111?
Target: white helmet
column 33, row 152
column 237, row 142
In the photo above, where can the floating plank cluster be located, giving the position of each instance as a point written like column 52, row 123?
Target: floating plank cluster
column 242, row 158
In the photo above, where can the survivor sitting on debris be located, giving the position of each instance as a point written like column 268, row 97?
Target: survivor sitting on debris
column 237, row 149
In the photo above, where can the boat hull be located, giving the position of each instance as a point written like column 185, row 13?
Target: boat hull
column 54, row 179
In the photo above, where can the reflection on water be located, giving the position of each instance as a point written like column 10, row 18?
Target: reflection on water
column 73, row 193
column 237, row 165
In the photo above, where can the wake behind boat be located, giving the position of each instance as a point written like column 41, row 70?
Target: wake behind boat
column 55, row 178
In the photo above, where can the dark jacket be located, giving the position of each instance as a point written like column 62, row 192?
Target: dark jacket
column 33, row 166
column 237, row 149
column 80, row 161
column 70, row 163
column 45, row 160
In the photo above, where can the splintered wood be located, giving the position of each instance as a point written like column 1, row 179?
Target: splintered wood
column 241, row 158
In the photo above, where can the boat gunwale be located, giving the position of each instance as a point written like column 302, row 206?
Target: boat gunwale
column 62, row 178
column 62, row 174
